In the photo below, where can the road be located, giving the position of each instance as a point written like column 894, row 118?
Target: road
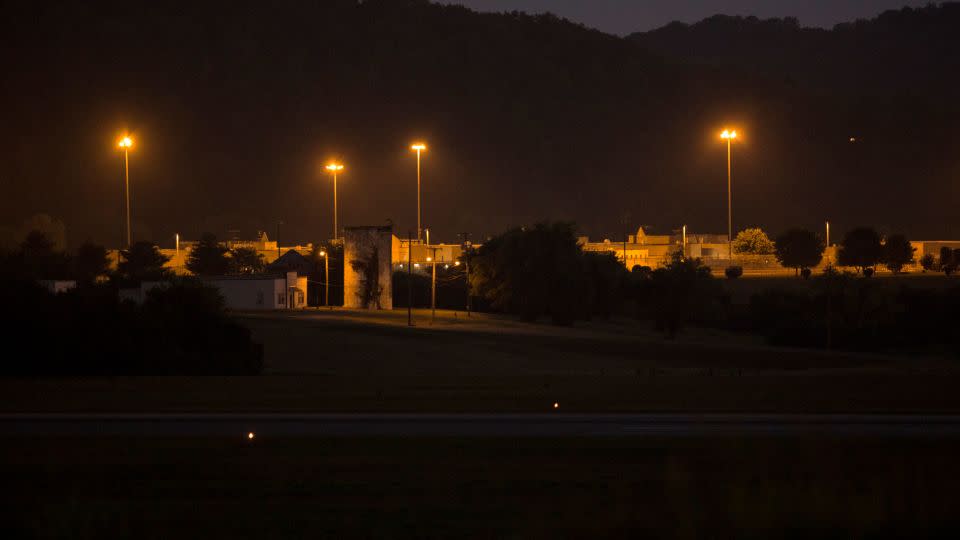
column 484, row 425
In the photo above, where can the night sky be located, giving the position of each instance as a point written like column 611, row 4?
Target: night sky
column 236, row 109
column 627, row 16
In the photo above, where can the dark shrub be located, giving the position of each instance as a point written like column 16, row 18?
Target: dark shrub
column 181, row 329
column 867, row 272
column 806, row 273
column 859, row 314
column 861, row 248
column 733, row 272
column 682, row 292
column 542, row 271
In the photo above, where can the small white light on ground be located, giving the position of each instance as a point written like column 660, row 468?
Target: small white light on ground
column 250, row 436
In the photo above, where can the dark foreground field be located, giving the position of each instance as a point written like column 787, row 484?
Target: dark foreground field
column 320, row 361
column 141, row 482
column 478, row 488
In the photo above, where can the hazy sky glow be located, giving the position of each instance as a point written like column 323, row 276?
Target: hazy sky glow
column 626, row 16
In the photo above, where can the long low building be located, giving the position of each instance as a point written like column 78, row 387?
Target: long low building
column 642, row 249
column 178, row 255
column 245, row 292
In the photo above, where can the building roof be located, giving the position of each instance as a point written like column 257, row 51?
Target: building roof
column 292, row 261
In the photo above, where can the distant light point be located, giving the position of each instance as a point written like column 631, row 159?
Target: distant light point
column 250, row 436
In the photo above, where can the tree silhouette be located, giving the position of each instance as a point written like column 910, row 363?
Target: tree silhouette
column 948, row 260
column 143, row 262
column 246, row 261
column 897, row 253
column 682, row 291
column 798, row 249
column 90, row 262
column 533, row 272
column 208, row 257
column 861, row 248
column 40, row 259
column 752, row 242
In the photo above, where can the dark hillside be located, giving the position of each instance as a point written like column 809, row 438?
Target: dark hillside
column 235, row 105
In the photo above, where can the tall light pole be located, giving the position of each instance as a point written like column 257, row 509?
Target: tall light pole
column 466, row 260
column 828, row 244
column 335, row 168
column 729, row 136
column 419, row 147
column 684, row 248
column 126, row 143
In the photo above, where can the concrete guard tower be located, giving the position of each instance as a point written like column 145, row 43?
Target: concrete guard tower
column 368, row 267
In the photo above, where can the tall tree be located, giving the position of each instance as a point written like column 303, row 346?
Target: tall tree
column 861, row 249
column 53, row 229
column 90, row 262
column 246, row 261
column 798, row 249
column 208, row 257
column 143, row 262
column 948, row 260
column 682, row 292
column 897, row 252
column 41, row 259
column 752, row 242
column 533, row 272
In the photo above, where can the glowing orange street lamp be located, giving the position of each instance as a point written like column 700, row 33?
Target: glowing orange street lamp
column 419, row 147
column 729, row 136
column 335, row 168
column 126, row 143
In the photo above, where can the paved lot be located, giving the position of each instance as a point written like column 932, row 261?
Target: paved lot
column 478, row 425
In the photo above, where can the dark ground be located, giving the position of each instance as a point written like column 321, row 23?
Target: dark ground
column 320, row 361
column 489, row 488
column 729, row 485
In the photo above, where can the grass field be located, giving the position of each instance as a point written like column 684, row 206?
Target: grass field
column 358, row 361
column 463, row 488
column 726, row 486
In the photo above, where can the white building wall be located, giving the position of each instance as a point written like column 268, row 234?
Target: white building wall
column 252, row 294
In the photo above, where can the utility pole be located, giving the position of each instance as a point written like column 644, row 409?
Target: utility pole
column 326, row 280
column 409, row 279
column 625, row 220
column 126, row 168
column 279, row 223
column 467, row 277
column 433, row 287
column 684, row 242
column 729, row 203
column 466, row 261
column 126, row 143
